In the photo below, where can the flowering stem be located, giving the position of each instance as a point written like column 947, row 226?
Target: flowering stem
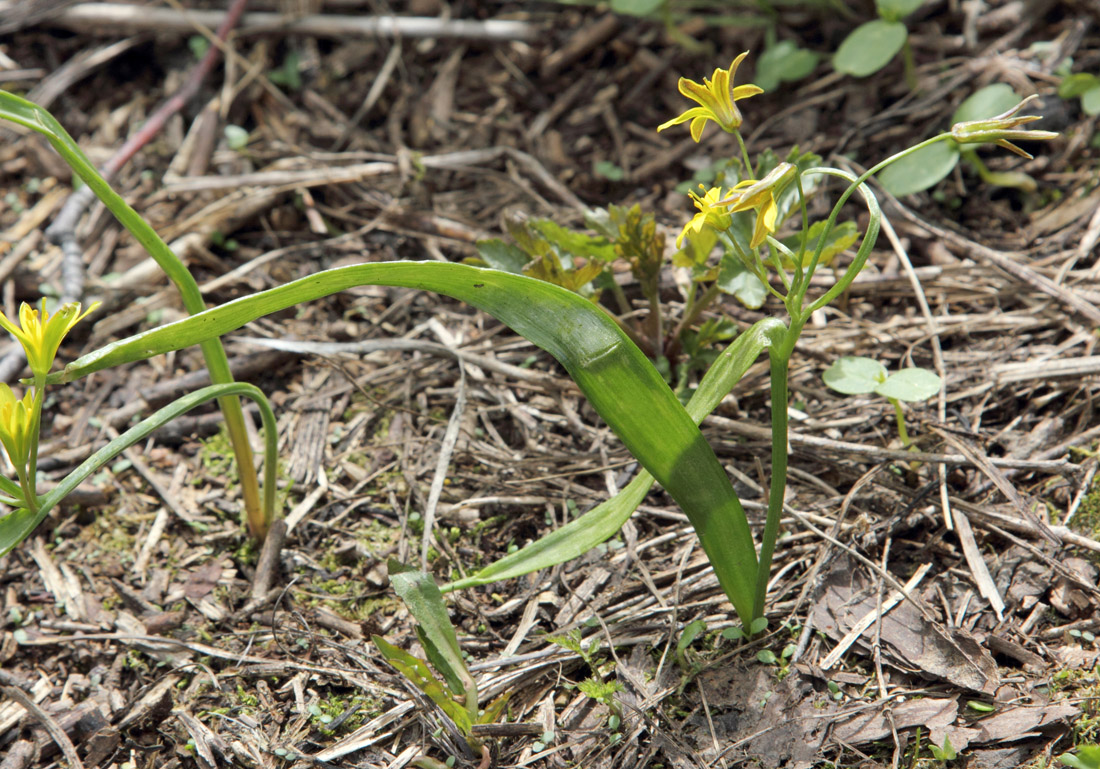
column 744, row 153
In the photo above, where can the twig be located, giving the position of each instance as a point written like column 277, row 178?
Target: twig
column 13, row 691
column 113, row 16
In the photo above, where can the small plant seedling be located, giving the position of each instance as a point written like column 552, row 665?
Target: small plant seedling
column 871, row 46
column 858, row 376
column 930, row 165
column 1087, row 757
column 1084, row 86
column 784, row 62
column 946, row 752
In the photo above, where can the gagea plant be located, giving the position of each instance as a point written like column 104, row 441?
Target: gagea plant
column 752, row 229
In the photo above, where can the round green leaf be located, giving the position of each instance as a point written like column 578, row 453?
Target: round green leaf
column 1090, row 101
column 920, row 170
column 910, row 384
column 870, row 47
column 986, row 102
column 854, row 376
column 782, row 62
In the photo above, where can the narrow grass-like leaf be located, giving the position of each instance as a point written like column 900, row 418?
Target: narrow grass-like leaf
column 32, row 116
column 16, row 526
column 419, row 674
column 437, row 635
column 603, row 521
column 622, row 385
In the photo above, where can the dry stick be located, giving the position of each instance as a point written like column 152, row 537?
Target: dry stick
column 11, row 689
column 113, row 16
column 1007, row 264
column 63, row 230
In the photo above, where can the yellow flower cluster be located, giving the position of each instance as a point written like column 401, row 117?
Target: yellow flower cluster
column 751, row 194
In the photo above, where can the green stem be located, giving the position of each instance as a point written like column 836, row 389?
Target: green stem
column 900, row 417
column 35, row 428
column 910, row 65
column 258, row 518
column 744, row 155
column 779, row 356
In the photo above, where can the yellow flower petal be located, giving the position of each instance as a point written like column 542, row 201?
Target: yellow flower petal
column 716, row 99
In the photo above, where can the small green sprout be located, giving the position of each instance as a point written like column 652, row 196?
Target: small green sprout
column 858, row 376
column 946, row 752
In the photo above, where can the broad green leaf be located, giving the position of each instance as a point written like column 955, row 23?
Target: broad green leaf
column 986, row 103
column 896, row 10
column 437, row 635
column 910, row 384
column 17, row 526
column 1077, row 84
column 603, row 521
column 1090, row 101
column 921, row 169
column 783, row 62
column 502, row 256
column 735, row 279
column 870, row 47
column 418, row 673
column 854, row 376
column 622, row 385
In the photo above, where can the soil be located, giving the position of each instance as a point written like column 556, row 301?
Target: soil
column 141, row 627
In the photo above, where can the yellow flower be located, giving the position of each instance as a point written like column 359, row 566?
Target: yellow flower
column 760, row 195
column 1001, row 128
column 41, row 337
column 716, row 100
column 711, row 214
column 16, row 417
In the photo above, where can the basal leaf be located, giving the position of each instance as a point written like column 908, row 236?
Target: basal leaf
column 920, row 170
column 854, row 376
column 910, row 384
column 870, row 47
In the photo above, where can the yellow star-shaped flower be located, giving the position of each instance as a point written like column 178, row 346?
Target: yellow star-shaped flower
column 716, row 100
column 711, row 214
column 759, row 195
column 41, row 336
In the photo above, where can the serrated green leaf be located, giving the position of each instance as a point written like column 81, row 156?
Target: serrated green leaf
column 870, row 47
column 735, row 279
column 921, row 169
column 910, row 384
column 854, row 375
